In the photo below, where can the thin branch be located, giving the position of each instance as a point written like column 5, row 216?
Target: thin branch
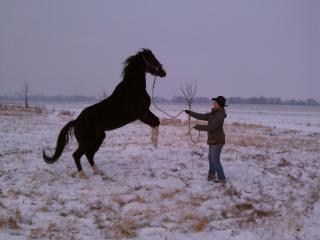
column 189, row 91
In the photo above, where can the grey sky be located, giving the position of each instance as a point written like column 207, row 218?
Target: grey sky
column 235, row 48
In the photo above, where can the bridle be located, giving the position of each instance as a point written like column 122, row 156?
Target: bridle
column 150, row 67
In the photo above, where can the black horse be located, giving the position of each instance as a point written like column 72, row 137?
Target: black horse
column 128, row 102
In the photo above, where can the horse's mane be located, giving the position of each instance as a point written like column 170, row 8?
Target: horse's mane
column 130, row 62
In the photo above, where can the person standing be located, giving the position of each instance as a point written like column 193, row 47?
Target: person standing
column 216, row 136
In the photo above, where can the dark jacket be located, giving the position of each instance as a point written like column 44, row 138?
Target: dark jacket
column 214, row 128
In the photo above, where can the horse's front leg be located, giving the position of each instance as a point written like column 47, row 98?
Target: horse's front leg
column 154, row 122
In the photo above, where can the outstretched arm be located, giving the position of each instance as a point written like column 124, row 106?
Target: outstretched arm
column 199, row 116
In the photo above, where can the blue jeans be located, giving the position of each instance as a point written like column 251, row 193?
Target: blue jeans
column 214, row 161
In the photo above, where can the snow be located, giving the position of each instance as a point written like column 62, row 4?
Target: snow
column 272, row 189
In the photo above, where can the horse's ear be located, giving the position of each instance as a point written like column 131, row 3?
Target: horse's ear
column 145, row 50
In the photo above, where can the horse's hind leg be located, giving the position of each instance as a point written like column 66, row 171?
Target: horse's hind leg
column 77, row 156
column 92, row 151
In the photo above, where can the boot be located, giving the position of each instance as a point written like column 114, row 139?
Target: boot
column 220, row 180
column 211, row 177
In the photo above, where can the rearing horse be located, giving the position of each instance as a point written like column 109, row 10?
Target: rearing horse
column 129, row 102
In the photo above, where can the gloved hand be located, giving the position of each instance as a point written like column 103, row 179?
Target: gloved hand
column 197, row 127
column 187, row 112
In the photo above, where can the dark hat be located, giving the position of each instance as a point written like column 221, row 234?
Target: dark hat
column 221, row 100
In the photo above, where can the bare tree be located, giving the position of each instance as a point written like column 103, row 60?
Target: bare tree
column 189, row 91
column 26, row 90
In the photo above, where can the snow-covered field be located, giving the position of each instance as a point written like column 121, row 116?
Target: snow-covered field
column 271, row 160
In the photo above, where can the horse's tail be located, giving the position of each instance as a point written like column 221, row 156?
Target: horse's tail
column 62, row 141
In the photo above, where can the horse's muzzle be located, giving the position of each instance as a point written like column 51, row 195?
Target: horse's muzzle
column 161, row 72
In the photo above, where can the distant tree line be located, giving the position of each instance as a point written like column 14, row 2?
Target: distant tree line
column 174, row 100
column 40, row 98
column 240, row 100
column 272, row 100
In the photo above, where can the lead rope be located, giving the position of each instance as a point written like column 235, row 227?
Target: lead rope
column 174, row 116
column 156, row 106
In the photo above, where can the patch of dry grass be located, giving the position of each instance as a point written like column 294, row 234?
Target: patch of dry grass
column 118, row 200
column 138, row 199
column 263, row 137
column 247, row 125
column 194, row 200
column 262, row 213
column 12, row 222
column 2, row 205
column 246, row 135
column 243, row 206
column 259, row 142
column 170, row 122
column 125, row 228
column 66, row 113
column 200, row 224
column 14, row 110
column 37, row 233
column 179, row 122
column 246, row 213
column 232, row 192
column 100, row 207
column 314, row 196
column 196, row 222
column 169, row 194
column 3, row 222
column 52, row 230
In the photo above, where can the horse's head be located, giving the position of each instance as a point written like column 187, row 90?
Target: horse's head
column 153, row 66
